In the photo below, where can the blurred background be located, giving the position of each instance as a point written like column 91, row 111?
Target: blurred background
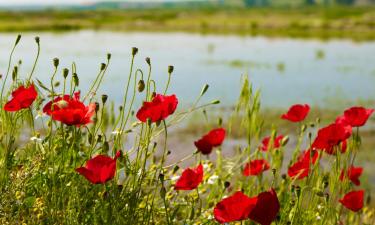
column 320, row 52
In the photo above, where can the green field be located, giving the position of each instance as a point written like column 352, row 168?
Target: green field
column 356, row 23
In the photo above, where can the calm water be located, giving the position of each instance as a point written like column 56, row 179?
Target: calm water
column 287, row 70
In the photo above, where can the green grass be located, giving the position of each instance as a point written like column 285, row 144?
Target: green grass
column 316, row 22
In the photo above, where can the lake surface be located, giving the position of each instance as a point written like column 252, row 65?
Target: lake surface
column 327, row 74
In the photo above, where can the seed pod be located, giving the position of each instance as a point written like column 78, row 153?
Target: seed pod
column 75, row 79
column 148, row 61
column 109, row 55
column 215, row 102
column 102, row 66
column 175, row 169
column 37, row 40
column 104, row 99
column 18, row 39
column 204, row 89
column 97, row 106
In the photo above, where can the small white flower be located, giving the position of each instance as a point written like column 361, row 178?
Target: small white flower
column 174, row 178
column 320, row 206
column 116, row 132
column 212, row 179
column 318, row 218
column 36, row 139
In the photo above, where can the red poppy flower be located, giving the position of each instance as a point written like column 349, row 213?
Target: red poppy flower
column 301, row 168
column 234, row 208
column 70, row 111
column 353, row 173
column 190, row 179
column 353, row 200
column 212, row 139
column 296, row 113
column 357, row 116
column 158, row 109
column 266, row 209
column 331, row 136
column 256, row 167
column 22, row 98
column 99, row 169
column 276, row 143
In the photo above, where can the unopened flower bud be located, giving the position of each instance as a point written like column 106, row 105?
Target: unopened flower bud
column 18, row 39
column 285, row 140
column 141, row 85
column 134, row 51
column 204, row 89
column 170, row 69
column 109, row 55
column 226, row 184
column 75, row 79
column 56, row 62
column 148, row 61
column 175, row 169
column 102, row 66
column 65, row 73
column 104, row 99
column 37, row 40
column 215, row 102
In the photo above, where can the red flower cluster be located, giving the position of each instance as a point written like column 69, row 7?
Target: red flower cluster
column 276, row 143
column 22, row 98
column 301, row 168
column 214, row 138
column 190, row 178
column 70, row 111
column 262, row 209
column 296, row 113
column 160, row 107
column 331, row 136
column 99, row 169
column 353, row 173
column 256, row 167
column 353, row 200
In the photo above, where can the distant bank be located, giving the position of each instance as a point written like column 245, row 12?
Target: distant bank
column 357, row 23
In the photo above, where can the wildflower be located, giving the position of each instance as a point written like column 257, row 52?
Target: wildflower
column 266, row 209
column 158, row 109
column 256, row 167
column 331, row 136
column 353, row 173
column 36, row 139
column 357, row 116
column 190, row 178
column 276, row 143
column 70, row 111
column 212, row 139
column 212, row 179
column 353, row 200
column 22, row 98
column 296, row 113
column 234, row 208
column 99, row 169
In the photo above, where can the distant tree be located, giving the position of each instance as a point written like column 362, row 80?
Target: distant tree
column 250, row 3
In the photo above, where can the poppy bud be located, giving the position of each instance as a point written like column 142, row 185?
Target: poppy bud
column 175, row 169
column 56, row 62
column 18, row 39
column 14, row 73
column 141, row 85
column 310, row 135
column 102, row 66
column 325, row 184
column 283, row 176
column 220, row 121
column 19, row 62
column 148, row 61
column 312, row 124
column 99, row 138
column 109, row 55
column 104, row 99
column 298, row 191
column 169, row 152
column 284, row 141
column 170, row 69
column 134, row 51
column 226, row 184
column 97, row 106
column 161, row 177
column 120, row 108
column 65, row 72
column 37, row 40
column 204, row 89
column 215, row 102
column 75, row 79
column 57, row 84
